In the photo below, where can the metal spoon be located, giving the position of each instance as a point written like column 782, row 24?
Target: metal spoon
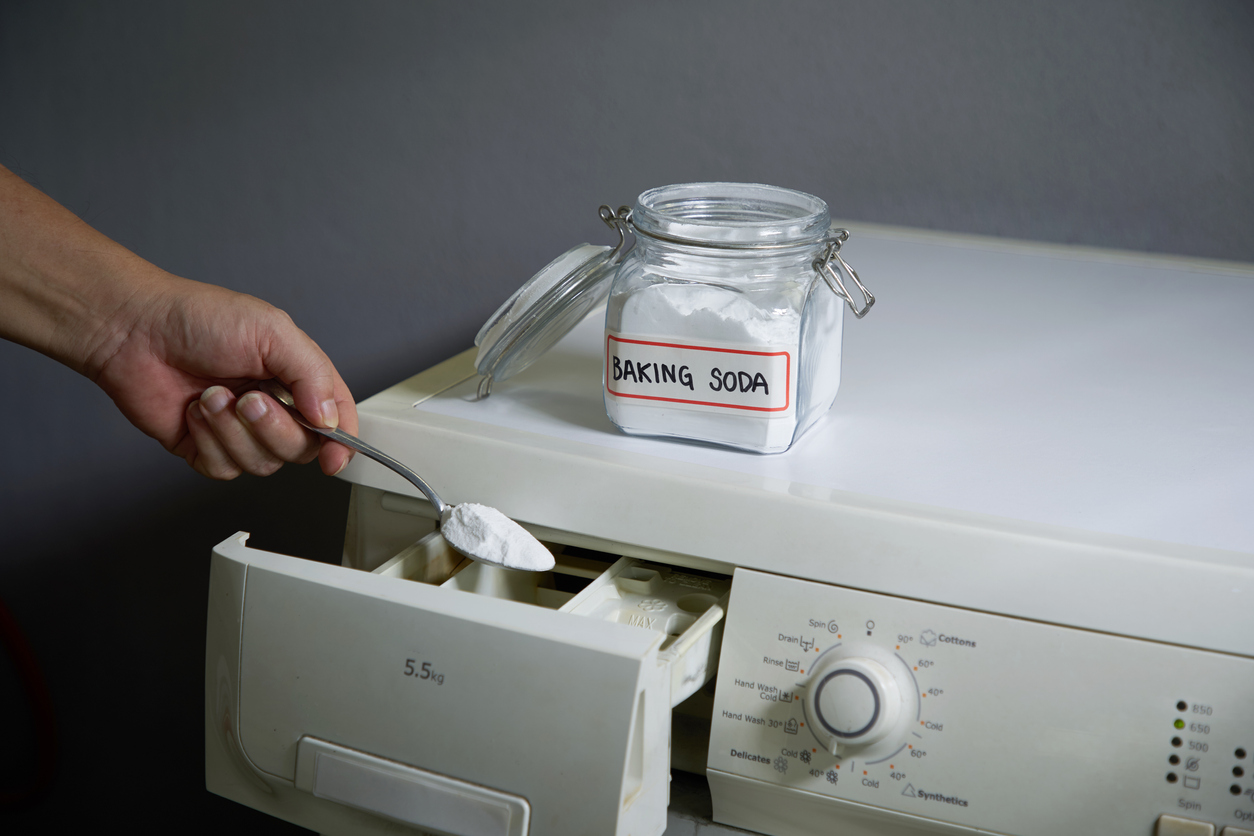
column 280, row 393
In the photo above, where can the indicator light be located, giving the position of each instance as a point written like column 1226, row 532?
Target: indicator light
column 1179, row 724
column 1240, row 753
column 1171, row 778
column 1235, row 789
column 1173, row 760
column 1182, row 706
column 1177, row 742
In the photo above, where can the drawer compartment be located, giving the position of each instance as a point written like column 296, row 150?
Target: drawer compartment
column 528, row 691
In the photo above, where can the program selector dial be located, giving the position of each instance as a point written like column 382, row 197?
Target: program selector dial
column 860, row 697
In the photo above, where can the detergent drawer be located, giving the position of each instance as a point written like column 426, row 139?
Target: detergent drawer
column 348, row 701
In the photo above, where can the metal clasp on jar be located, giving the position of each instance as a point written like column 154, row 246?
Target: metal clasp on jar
column 827, row 268
column 620, row 222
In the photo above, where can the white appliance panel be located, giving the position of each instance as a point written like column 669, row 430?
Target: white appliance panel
column 1111, row 392
column 1014, row 727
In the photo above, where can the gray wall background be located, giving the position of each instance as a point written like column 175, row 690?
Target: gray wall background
column 389, row 172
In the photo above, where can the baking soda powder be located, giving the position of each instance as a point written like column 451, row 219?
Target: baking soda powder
column 705, row 362
column 489, row 536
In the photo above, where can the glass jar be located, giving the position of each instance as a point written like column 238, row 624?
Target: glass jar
column 717, row 327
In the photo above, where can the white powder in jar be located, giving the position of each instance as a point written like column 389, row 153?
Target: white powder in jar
column 706, row 312
column 719, row 318
column 489, row 536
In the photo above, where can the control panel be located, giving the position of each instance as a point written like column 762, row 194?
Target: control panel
column 897, row 708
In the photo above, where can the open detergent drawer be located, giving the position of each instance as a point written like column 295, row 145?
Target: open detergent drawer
column 437, row 695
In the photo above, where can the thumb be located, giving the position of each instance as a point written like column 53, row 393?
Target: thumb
column 316, row 386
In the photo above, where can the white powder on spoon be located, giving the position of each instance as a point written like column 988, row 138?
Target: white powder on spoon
column 489, row 536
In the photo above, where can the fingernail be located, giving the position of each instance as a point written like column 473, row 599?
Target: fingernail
column 330, row 415
column 252, row 407
column 215, row 399
column 340, row 469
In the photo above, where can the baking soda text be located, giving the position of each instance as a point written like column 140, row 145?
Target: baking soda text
column 737, row 380
column 651, row 372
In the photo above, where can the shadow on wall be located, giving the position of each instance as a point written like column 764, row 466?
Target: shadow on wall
column 124, row 655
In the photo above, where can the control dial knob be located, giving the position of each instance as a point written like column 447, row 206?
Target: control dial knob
column 859, row 698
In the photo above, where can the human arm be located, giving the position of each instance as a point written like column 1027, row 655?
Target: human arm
column 176, row 356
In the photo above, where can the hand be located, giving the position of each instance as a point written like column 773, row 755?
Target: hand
column 185, row 373
column 178, row 357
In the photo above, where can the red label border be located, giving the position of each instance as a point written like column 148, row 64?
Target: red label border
column 784, row 354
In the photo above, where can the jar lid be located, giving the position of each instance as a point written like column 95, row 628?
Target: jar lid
column 543, row 311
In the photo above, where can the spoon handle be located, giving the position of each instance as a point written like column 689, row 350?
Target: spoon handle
column 384, row 459
column 275, row 390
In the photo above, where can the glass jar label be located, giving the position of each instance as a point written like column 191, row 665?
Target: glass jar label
column 743, row 380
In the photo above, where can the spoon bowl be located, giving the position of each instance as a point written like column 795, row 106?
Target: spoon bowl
column 495, row 523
